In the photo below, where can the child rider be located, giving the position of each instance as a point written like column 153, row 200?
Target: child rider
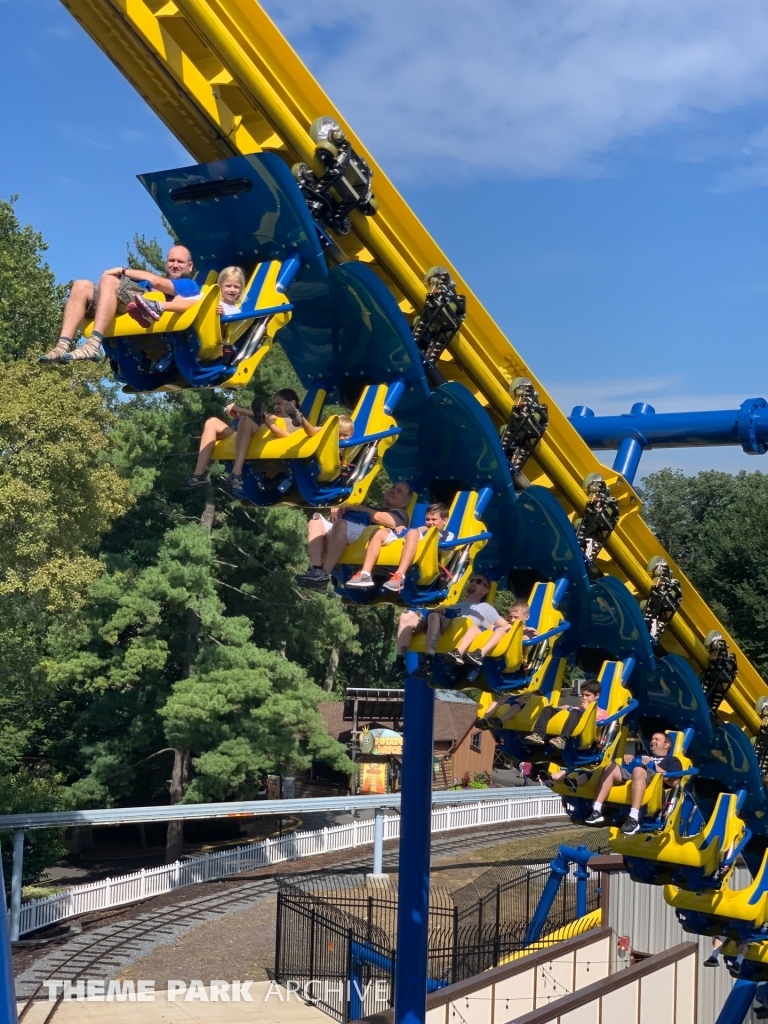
column 435, row 516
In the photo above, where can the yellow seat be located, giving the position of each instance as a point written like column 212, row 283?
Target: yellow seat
column 543, row 618
column 614, row 697
column 545, row 691
column 365, row 456
column 202, row 319
column 265, row 447
column 510, row 647
column 462, row 522
column 749, row 904
column 704, row 851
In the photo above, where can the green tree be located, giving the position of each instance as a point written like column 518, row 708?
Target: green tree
column 716, row 527
column 156, row 646
column 27, row 792
column 58, row 496
column 30, row 300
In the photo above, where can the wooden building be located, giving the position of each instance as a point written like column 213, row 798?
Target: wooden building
column 461, row 752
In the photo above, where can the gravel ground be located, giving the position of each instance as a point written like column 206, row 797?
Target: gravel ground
column 240, row 945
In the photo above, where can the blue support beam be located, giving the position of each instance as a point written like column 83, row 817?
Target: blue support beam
column 560, row 867
column 738, row 1003
column 7, row 989
column 411, row 967
column 630, row 434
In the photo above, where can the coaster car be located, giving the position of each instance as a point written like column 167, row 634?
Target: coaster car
column 658, row 801
column 198, row 348
column 744, row 911
column 440, row 568
column 248, row 212
column 683, row 853
column 318, row 469
column 514, row 661
column 590, row 742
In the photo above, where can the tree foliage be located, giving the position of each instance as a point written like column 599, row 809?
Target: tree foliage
column 716, row 527
column 130, row 631
column 30, row 300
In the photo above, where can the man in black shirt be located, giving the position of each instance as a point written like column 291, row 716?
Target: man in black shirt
column 639, row 770
column 327, row 538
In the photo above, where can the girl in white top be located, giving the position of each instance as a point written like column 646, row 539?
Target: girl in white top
column 231, row 281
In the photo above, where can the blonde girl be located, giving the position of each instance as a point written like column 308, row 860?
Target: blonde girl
column 231, row 281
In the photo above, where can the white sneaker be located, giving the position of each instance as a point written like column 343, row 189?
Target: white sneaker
column 360, row 579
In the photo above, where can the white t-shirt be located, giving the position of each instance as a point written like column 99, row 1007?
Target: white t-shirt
column 481, row 614
column 229, row 309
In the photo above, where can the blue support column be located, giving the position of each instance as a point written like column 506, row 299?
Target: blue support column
column 738, row 1003
column 415, row 837
column 7, row 989
column 628, row 458
column 560, row 866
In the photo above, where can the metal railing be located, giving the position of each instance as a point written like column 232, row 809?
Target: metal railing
column 336, row 936
column 240, row 809
column 114, row 892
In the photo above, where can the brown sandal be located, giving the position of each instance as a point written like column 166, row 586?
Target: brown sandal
column 61, row 349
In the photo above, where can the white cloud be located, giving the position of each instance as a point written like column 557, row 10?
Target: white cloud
column 535, row 87
column 613, row 396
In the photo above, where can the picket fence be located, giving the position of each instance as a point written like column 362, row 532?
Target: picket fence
column 115, row 892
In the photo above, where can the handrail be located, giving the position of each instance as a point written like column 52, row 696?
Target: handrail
column 256, row 314
column 461, row 541
column 353, row 442
column 618, row 715
column 555, row 631
column 239, row 809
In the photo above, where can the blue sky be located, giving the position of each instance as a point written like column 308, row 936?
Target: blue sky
column 597, row 170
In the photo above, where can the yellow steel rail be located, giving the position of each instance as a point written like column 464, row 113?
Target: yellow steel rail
column 225, row 81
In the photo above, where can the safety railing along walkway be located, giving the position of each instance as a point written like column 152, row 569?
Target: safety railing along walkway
column 115, row 892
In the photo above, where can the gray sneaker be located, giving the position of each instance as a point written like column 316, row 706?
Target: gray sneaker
column 360, row 580
column 294, row 414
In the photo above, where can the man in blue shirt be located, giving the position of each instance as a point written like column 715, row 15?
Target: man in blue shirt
column 110, row 297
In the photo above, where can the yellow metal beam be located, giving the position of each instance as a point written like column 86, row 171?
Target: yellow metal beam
column 225, row 81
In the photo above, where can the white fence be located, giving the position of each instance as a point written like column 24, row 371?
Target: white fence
column 114, row 892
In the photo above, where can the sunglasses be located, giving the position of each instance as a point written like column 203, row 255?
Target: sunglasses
column 480, row 580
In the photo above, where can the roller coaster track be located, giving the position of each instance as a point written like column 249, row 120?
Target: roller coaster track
column 226, row 82
column 109, row 942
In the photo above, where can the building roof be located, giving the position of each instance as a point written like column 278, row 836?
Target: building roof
column 452, row 721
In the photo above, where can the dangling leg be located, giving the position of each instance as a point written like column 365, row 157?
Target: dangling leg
column 214, row 430
column 79, row 298
column 106, row 308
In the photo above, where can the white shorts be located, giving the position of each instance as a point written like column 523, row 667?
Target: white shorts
column 354, row 530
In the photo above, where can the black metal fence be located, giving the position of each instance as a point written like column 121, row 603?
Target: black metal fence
column 336, row 934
